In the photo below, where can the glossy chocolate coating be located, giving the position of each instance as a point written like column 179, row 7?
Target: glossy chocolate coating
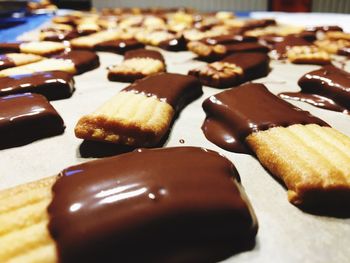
column 119, row 46
column 327, row 87
column 258, row 23
column 175, row 89
column 6, row 62
column 58, row 35
column 177, row 43
column 289, row 41
column 323, row 28
column 52, row 84
column 144, row 53
column 180, row 204
column 234, row 114
column 254, row 65
column 228, row 39
column 84, row 60
column 25, row 118
column 11, row 47
column 344, row 51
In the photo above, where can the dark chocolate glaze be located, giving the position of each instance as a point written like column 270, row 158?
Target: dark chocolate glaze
column 84, row 60
column 344, row 51
column 327, row 87
column 52, row 84
column 254, row 65
column 175, row 89
column 180, row 204
column 12, row 47
column 59, row 35
column 234, row 114
column 289, row 41
column 258, row 23
column 6, row 62
column 177, row 43
column 246, row 47
column 227, row 39
column 144, row 53
column 25, row 118
column 119, row 46
column 236, row 48
column 323, row 28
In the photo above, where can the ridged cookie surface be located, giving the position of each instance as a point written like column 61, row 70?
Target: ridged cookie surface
column 312, row 161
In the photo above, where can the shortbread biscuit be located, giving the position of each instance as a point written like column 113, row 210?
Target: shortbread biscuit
column 215, row 52
column 336, row 35
column 137, row 64
column 233, row 70
column 141, row 114
column 74, row 62
column 43, row 65
column 31, row 215
column 311, row 158
column 307, row 55
column 332, row 46
column 42, row 48
column 17, row 59
column 312, row 161
column 119, row 46
column 90, row 41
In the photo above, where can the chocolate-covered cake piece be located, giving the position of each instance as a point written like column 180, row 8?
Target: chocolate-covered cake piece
column 25, row 118
column 182, row 204
column 119, row 46
column 52, row 84
column 234, row 114
column 83, row 60
column 137, row 64
column 233, row 70
column 327, row 87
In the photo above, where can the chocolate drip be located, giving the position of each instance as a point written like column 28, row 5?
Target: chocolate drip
column 147, row 206
column 84, row 60
column 51, row 84
column 234, row 114
column 144, row 53
column 6, row 62
column 119, row 46
column 175, row 89
column 25, row 118
column 12, row 47
column 328, row 88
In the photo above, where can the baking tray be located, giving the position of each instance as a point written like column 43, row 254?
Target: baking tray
column 286, row 234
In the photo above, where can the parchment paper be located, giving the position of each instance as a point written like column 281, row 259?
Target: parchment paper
column 286, row 234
